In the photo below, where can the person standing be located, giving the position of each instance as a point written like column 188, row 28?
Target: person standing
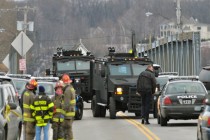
column 58, row 112
column 28, row 120
column 42, row 111
column 146, row 85
column 69, row 106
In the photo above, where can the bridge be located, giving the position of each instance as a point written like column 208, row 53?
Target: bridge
column 177, row 53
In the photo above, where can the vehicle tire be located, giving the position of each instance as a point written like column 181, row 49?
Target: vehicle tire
column 138, row 114
column 79, row 111
column 158, row 119
column 163, row 121
column 95, row 108
column 102, row 111
column 155, row 112
column 112, row 108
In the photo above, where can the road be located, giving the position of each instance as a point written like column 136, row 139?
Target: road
column 127, row 127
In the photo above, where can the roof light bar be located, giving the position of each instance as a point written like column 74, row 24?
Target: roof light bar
column 168, row 73
column 46, row 78
column 183, row 78
column 24, row 76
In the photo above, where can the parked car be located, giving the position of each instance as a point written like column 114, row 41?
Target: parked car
column 180, row 98
column 10, row 114
column 204, row 77
column 20, row 81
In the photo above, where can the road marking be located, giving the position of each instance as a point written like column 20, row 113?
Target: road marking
column 148, row 133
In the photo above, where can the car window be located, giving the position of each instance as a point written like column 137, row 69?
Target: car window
column 185, row 87
column 11, row 95
column 49, row 88
column 20, row 85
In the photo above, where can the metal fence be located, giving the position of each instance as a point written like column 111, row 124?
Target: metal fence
column 177, row 53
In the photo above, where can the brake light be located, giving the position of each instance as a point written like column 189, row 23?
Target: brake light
column 167, row 101
column 208, row 122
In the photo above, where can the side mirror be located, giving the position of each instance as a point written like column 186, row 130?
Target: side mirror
column 102, row 73
column 12, row 106
column 47, row 71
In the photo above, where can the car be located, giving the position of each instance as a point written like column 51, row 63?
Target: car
column 161, row 80
column 204, row 76
column 180, row 98
column 203, row 126
column 10, row 114
column 20, row 81
column 48, row 83
column 8, row 80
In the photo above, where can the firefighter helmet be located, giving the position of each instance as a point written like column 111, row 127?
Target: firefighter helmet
column 66, row 79
column 32, row 84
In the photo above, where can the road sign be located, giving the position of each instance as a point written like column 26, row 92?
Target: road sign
column 6, row 61
column 22, row 43
column 22, row 64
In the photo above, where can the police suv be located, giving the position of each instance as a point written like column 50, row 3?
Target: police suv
column 181, row 98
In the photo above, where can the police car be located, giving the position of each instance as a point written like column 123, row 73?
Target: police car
column 181, row 98
column 48, row 83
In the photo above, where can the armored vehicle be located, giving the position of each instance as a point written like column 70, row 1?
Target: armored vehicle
column 78, row 67
column 114, row 83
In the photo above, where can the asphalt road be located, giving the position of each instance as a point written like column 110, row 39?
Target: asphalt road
column 127, row 127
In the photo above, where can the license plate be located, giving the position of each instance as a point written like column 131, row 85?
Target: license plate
column 187, row 102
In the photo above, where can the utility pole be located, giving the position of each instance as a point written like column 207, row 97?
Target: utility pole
column 178, row 15
column 25, row 26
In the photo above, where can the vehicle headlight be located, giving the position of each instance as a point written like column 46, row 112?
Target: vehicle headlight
column 156, row 89
column 119, row 91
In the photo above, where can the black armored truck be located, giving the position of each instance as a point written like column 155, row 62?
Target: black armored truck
column 78, row 66
column 114, row 83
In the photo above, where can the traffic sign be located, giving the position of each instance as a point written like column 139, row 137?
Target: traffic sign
column 6, row 61
column 22, row 43
column 22, row 64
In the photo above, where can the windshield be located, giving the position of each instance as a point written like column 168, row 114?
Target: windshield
column 162, row 81
column 185, row 87
column 49, row 88
column 20, row 85
column 120, row 69
column 73, row 65
column 138, row 68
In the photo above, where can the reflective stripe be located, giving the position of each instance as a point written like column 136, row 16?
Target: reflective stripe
column 28, row 119
column 26, row 106
column 61, row 139
column 40, row 102
column 60, row 111
column 72, row 102
column 41, row 108
column 32, row 107
column 45, row 117
column 41, row 124
column 70, row 114
column 34, row 113
column 58, row 120
column 50, row 105
column 50, row 113
column 26, row 94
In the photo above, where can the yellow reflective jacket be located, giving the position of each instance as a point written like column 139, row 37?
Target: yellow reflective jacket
column 42, row 109
column 69, row 101
column 28, row 97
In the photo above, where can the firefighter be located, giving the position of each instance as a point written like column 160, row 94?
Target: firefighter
column 42, row 111
column 28, row 120
column 69, row 106
column 58, row 112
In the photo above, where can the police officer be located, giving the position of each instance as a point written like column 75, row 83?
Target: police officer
column 69, row 106
column 42, row 111
column 29, row 122
column 58, row 112
column 146, row 85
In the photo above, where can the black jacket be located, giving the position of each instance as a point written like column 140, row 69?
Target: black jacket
column 146, row 82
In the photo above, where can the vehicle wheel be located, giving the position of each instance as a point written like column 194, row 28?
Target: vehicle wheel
column 79, row 111
column 158, row 119
column 138, row 114
column 112, row 108
column 95, row 108
column 163, row 121
column 102, row 111
column 155, row 112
